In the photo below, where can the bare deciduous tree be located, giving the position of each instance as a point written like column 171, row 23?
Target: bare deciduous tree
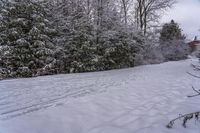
column 148, row 11
column 125, row 4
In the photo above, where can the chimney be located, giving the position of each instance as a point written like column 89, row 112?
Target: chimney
column 195, row 38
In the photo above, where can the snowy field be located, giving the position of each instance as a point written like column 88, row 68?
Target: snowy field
column 136, row 100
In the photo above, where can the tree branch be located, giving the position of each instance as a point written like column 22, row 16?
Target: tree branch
column 195, row 67
column 197, row 91
column 193, row 75
column 185, row 117
column 189, row 116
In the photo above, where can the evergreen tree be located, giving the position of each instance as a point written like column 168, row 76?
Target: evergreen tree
column 172, row 42
column 171, row 31
column 119, row 49
column 26, row 39
column 80, row 50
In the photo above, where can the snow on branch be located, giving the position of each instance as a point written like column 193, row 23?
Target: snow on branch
column 193, row 75
column 196, row 67
column 185, row 119
column 197, row 91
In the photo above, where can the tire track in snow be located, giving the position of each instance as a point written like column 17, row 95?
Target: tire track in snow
column 41, row 104
column 13, row 108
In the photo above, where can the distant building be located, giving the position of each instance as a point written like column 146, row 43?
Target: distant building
column 194, row 45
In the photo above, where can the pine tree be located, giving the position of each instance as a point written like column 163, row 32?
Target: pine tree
column 172, row 42
column 171, row 31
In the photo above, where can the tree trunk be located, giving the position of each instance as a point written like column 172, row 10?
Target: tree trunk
column 125, row 11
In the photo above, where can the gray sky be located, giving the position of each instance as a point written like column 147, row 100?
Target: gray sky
column 187, row 14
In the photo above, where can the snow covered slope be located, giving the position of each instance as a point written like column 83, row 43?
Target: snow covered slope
column 136, row 100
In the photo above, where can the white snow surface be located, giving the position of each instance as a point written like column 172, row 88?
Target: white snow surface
column 136, row 100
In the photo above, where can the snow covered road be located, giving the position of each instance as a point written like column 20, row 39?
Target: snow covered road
column 136, row 100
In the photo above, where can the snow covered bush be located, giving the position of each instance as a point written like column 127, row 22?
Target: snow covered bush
column 80, row 52
column 174, row 50
column 150, row 52
column 119, row 49
column 26, row 34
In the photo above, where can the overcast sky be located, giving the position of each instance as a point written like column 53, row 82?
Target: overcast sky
column 187, row 14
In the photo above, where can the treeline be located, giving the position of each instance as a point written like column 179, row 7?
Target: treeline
column 67, row 36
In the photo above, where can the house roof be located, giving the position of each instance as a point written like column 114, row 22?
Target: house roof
column 194, row 42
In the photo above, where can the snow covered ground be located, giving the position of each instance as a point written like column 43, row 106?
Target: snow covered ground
column 136, row 100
